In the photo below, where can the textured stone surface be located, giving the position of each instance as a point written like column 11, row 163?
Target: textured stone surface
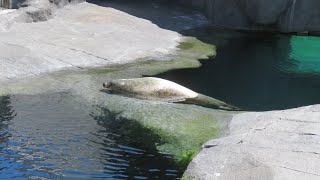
column 267, row 145
column 264, row 12
column 32, row 11
column 79, row 36
column 280, row 15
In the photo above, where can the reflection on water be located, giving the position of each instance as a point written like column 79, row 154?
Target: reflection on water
column 143, row 161
column 57, row 136
column 256, row 71
column 6, row 114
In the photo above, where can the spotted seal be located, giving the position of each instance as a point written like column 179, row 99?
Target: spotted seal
column 151, row 88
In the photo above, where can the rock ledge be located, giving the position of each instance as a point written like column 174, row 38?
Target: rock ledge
column 265, row 145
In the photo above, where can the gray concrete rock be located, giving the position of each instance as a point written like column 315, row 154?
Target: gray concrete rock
column 80, row 35
column 280, row 15
column 264, row 12
column 267, row 145
column 32, row 11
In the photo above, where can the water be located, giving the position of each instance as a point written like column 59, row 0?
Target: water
column 57, row 136
column 256, row 71
column 305, row 55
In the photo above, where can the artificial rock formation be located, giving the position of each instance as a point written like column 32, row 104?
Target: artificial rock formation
column 79, row 36
column 30, row 10
column 263, row 15
column 280, row 15
column 264, row 145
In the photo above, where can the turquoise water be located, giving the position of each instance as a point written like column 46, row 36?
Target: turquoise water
column 304, row 55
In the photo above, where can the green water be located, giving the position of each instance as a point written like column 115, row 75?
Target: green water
column 305, row 55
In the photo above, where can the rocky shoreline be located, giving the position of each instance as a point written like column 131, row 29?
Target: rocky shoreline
column 174, row 124
column 84, row 45
column 258, row 145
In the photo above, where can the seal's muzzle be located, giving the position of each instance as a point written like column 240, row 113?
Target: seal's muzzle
column 107, row 85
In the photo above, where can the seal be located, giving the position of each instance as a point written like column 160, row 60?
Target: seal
column 151, row 88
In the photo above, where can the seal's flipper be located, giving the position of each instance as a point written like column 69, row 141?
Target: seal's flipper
column 177, row 100
column 206, row 101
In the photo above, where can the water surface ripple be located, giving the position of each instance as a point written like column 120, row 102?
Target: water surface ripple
column 55, row 136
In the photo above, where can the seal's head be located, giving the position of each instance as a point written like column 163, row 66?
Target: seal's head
column 108, row 85
column 114, row 85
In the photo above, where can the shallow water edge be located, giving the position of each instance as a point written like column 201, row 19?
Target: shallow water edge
column 172, row 132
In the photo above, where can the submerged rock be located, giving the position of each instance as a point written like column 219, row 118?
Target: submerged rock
column 180, row 130
column 266, row 145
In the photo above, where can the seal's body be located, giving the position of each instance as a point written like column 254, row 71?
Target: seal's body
column 163, row 90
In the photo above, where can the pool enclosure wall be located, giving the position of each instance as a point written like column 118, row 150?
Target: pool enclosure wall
column 10, row 4
column 277, row 15
column 5, row 4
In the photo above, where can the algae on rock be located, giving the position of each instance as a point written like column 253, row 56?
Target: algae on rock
column 182, row 128
column 177, row 129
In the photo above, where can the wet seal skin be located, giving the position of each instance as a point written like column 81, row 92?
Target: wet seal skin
column 151, row 88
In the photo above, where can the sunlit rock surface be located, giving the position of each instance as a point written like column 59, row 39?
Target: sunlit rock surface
column 81, row 35
column 266, row 145
column 6, row 11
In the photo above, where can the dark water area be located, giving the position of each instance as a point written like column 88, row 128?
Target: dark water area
column 256, row 71
column 57, row 136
